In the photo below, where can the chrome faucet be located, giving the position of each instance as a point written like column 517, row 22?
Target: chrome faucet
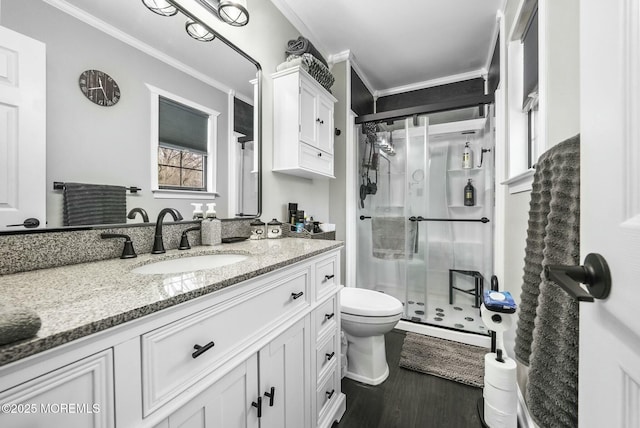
column 158, row 245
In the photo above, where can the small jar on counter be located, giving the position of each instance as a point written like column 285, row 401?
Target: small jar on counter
column 274, row 229
column 257, row 229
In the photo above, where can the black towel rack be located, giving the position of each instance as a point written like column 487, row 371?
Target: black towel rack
column 58, row 185
column 420, row 218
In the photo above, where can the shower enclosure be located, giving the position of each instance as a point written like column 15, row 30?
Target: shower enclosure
column 418, row 238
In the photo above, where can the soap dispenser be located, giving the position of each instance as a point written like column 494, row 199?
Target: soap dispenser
column 211, row 227
column 469, row 194
column 197, row 212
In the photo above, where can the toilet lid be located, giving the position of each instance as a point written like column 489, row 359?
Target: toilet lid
column 360, row 301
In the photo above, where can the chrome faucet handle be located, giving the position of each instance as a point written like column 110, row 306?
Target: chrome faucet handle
column 127, row 252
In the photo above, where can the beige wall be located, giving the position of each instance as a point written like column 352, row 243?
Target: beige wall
column 265, row 39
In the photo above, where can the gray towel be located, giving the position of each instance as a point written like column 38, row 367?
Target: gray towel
column 548, row 326
column 17, row 323
column 302, row 45
column 389, row 238
column 94, row 204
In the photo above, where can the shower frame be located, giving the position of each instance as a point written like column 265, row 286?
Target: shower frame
column 481, row 101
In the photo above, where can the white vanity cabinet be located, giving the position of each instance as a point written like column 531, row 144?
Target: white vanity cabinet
column 262, row 353
column 77, row 395
column 303, row 125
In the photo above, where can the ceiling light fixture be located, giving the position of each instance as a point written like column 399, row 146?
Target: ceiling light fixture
column 234, row 12
column 199, row 31
column 161, row 7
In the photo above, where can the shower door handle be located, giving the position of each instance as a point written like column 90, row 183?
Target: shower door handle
column 594, row 274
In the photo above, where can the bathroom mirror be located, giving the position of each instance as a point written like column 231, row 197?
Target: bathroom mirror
column 145, row 57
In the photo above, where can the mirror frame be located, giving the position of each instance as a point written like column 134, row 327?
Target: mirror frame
column 257, row 137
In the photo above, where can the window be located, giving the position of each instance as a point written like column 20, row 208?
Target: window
column 533, row 127
column 183, row 147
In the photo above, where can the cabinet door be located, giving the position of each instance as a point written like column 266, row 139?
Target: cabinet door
column 308, row 114
column 227, row 403
column 78, row 395
column 325, row 124
column 285, row 379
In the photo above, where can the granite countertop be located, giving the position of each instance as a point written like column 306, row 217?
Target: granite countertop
column 77, row 300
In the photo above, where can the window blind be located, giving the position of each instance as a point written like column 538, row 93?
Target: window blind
column 182, row 127
column 530, row 41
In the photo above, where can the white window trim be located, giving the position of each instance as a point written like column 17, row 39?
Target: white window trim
column 212, row 145
column 520, row 176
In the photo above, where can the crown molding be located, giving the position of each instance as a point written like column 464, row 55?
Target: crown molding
column 433, row 82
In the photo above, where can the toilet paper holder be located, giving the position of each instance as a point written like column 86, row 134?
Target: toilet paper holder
column 594, row 273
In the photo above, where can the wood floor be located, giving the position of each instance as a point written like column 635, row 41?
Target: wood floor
column 409, row 399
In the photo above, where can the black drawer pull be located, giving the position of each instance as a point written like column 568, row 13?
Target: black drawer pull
column 199, row 350
column 328, row 277
column 296, row 295
column 330, row 356
column 330, row 394
column 258, row 406
column 271, row 395
column 329, row 316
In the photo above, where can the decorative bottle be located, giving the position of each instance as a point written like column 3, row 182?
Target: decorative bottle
column 469, row 195
column 467, row 156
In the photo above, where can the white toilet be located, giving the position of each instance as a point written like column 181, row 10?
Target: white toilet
column 366, row 316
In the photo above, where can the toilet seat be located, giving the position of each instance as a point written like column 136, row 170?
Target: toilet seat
column 368, row 303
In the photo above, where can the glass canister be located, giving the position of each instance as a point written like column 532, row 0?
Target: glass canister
column 257, row 229
column 274, row 229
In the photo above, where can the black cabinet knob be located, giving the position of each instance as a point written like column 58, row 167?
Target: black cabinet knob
column 329, row 316
column 330, row 356
column 296, row 295
column 258, row 406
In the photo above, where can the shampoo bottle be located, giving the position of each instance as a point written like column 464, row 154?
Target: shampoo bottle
column 469, row 194
column 467, row 156
column 211, row 228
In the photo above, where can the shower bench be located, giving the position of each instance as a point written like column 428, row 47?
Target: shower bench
column 476, row 291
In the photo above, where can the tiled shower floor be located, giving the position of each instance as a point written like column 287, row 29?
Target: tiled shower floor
column 437, row 311
column 460, row 315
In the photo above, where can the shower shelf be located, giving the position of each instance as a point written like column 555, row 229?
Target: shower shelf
column 465, row 206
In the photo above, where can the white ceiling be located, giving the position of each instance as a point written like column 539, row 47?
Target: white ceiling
column 401, row 42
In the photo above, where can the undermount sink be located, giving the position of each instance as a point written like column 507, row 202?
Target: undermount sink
column 189, row 264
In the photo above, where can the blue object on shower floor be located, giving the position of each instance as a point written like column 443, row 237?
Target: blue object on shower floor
column 499, row 301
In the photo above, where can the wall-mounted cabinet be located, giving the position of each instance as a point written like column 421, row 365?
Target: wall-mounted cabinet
column 303, row 125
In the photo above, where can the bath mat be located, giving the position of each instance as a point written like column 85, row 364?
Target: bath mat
column 455, row 361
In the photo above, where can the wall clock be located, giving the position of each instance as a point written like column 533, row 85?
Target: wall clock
column 99, row 87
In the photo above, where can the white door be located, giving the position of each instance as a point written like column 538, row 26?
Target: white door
column 22, row 130
column 609, row 373
column 325, row 125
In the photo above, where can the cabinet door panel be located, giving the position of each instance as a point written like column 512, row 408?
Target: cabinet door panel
column 325, row 125
column 308, row 114
column 78, row 395
column 227, row 403
column 284, row 366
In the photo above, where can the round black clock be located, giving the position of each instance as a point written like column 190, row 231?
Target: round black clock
column 99, row 87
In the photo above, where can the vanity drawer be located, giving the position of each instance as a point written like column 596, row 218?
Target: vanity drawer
column 326, row 276
column 179, row 354
column 316, row 160
column 325, row 317
column 327, row 391
column 326, row 354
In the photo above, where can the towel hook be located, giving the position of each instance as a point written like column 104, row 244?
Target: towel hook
column 594, row 273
